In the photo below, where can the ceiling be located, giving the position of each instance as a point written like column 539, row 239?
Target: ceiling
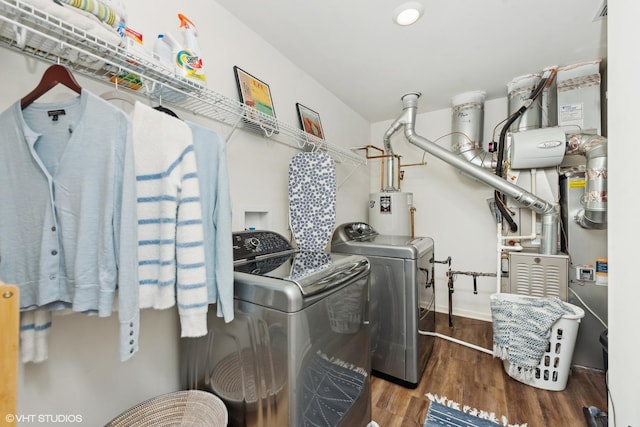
column 355, row 50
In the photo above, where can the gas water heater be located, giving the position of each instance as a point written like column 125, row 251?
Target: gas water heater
column 390, row 212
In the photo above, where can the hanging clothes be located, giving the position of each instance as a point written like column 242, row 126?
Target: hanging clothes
column 171, row 257
column 68, row 210
column 35, row 326
column 211, row 159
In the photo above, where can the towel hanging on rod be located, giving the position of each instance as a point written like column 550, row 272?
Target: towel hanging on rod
column 54, row 75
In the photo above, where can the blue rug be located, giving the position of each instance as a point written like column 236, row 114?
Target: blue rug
column 448, row 413
column 443, row 416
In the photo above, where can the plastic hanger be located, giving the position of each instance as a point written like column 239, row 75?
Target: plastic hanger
column 54, row 75
column 166, row 110
column 163, row 109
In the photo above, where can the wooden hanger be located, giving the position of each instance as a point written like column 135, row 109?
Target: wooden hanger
column 54, row 75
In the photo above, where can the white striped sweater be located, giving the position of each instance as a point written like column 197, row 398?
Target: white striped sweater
column 171, row 256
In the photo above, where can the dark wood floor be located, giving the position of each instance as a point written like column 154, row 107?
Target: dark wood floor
column 471, row 377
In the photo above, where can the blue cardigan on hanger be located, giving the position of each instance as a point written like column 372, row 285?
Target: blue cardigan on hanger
column 68, row 209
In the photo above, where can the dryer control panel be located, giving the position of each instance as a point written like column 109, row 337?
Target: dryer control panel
column 359, row 230
column 254, row 244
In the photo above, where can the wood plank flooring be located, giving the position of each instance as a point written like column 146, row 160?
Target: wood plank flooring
column 471, row 377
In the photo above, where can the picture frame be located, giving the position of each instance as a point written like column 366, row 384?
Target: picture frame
column 256, row 94
column 310, row 121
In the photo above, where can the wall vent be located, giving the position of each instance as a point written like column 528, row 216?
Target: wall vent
column 538, row 275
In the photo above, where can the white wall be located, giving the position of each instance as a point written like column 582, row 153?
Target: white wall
column 624, row 292
column 83, row 375
column 450, row 207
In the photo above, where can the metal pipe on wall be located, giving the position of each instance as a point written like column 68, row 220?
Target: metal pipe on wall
column 389, row 151
column 594, row 148
column 467, row 124
column 548, row 211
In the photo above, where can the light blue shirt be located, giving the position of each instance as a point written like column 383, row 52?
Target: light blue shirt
column 215, row 199
column 68, row 209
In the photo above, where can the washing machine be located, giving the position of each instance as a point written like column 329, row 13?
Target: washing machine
column 297, row 350
column 402, row 298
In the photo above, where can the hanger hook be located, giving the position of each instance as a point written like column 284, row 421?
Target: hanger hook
column 301, row 142
column 61, row 50
column 21, row 33
column 268, row 132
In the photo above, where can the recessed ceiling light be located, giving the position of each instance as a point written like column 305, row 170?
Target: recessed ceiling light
column 408, row 13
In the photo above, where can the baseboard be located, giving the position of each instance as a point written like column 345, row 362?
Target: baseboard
column 465, row 313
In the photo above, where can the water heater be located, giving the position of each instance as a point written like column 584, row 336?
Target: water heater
column 390, row 212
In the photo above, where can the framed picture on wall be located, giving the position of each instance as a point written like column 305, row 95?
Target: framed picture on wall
column 310, row 121
column 256, row 94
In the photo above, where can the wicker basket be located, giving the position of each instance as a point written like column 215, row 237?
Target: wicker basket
column 250, row 376
column 179, row 408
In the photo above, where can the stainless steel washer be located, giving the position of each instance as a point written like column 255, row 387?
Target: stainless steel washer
column 297, row 350
column 402, row 298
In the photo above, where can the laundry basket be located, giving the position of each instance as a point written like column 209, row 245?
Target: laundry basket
column 178, row 408
column 552, row 372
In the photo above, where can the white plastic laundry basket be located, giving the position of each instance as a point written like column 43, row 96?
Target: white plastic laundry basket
column 553, row 371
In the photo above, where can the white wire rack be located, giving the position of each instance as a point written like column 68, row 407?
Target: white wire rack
column 37, row 33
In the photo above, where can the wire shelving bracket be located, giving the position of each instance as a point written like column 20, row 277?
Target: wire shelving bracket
column 36, row 33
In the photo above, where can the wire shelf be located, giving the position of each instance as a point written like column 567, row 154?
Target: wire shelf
column 36, row 33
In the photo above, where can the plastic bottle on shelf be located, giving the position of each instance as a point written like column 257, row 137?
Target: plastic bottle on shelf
column 189, row 59
column 162, row 51
column 166, row 49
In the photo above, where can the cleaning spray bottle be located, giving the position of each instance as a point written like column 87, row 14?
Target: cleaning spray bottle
column 189, row 59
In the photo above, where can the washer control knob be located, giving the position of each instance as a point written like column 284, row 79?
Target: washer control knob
column 253, row 242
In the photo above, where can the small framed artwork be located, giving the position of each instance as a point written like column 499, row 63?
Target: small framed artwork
column 256, row 93
column 310, row 121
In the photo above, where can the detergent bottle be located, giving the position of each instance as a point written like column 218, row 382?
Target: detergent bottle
column 162, row 51
column 165, row 50
column 189, row 59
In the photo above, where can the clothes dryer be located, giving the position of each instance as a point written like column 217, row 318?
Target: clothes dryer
column 297, row 350
column 402, row 298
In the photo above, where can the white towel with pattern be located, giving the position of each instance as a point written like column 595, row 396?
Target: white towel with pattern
column 522, row 328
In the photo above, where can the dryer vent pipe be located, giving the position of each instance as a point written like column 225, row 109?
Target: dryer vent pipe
column 548, row 212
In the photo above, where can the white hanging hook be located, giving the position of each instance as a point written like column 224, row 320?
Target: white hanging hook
column 149, row 89
column 318, row 147
column 21, row 36
column 267, row 132
column 61, row 50
column 302, row 142
column 315, row 148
